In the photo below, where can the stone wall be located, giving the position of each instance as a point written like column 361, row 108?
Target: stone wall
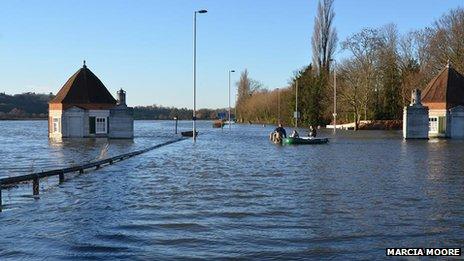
column 121, row 122
column 457, row 122
column 416, row 122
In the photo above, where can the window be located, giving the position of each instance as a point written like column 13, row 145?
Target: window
column 433, row 124
column 101, row 125
column 56, row 124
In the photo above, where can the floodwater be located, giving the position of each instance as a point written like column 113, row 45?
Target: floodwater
column 233, row 194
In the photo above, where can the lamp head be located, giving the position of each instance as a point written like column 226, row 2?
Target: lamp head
column 202, row 11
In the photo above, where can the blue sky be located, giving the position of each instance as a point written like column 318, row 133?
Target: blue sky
column 145, row 47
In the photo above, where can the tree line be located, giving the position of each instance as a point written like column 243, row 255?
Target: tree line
column 25, row 105
column 35, row 105
column 374, row 79
column 155, row 112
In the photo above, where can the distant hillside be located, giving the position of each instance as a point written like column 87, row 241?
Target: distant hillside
column 33, row 105
column 25, row 105
column 155, row 112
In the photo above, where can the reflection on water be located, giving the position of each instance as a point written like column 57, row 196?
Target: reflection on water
column 233, row 195
column 26, row 148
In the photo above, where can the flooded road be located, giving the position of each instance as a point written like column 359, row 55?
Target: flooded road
column 231, row 195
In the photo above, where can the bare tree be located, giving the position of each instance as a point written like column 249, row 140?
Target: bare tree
column 445, row 41
column 324, row 39
column 409, row 63
column 389, row 74
column 243, row 86
column 353, row 88
column 247, row 87
column 364, row 47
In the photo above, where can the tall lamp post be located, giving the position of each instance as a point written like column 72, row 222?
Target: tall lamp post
column 194, row 118
column 335, row 97
column 230, row 71
column 235, row 107
column 296, row 114
column 335, row 100
column 278, row 106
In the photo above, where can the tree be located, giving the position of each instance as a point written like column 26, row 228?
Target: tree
column 324, row 42
column 445, row 41
column 311, row 93
column 352, row 87
column 246, row 87
column 409, row 65
column 364, row 48
column 324, row 39
column 389, row 72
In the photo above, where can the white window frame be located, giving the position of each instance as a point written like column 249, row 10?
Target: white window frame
column 433, row 124
column 100, row 125
column 56, row 125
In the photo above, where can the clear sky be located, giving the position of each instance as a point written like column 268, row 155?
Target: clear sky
column 145, row 47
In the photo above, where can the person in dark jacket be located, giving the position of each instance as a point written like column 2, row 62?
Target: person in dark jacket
column 281, row 130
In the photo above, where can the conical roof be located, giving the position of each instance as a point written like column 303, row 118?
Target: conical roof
column 445, row 91
column 84, row 90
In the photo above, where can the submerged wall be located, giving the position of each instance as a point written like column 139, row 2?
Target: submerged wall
column 416, row 122
column 456, row 116
column 121, row 123
column 416, row 118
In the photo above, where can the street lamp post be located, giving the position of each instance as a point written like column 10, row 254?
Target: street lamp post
column 235, row 107
column 176, row 119
column 278, row 106
column 297, row 115
column 335, row 100
column 230, row 71
column 194, row 118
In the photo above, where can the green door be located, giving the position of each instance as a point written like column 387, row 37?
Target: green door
column 91, row 125
column 441, row 124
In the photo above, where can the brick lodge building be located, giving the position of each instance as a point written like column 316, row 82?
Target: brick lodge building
column 84, row 108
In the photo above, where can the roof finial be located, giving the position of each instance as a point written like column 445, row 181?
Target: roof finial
column 85, row 66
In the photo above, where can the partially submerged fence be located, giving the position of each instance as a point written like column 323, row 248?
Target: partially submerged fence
column 35, row 177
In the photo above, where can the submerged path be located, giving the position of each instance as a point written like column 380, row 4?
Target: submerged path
column 35, row 177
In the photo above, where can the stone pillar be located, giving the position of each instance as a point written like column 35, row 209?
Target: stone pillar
column 456, row 123
column 416, row 97
column 416, row 118
column 121, row 97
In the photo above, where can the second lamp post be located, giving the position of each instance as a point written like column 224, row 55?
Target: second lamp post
column 230, row 71
column 194, row 118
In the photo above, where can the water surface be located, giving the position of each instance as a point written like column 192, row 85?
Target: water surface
column 232, row 195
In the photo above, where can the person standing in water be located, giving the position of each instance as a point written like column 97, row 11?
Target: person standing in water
column 281, row 131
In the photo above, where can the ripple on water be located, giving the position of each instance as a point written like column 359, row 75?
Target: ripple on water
column 232, row 195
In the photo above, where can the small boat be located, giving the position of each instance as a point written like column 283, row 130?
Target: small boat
column 189, row 133
column 304, row 141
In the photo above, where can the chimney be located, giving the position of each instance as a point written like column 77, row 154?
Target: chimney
column 121, row 97
column 416, row 97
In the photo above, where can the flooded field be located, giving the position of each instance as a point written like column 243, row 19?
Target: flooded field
column 233, row 194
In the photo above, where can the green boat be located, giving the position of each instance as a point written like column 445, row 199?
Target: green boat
column 304, row 141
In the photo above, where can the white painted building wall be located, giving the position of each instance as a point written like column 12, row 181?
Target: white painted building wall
column 55, row 132
column 75, row 123
column 438, row 121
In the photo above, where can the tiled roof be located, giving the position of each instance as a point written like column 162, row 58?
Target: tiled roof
column 445, row 91
column 84, row 89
